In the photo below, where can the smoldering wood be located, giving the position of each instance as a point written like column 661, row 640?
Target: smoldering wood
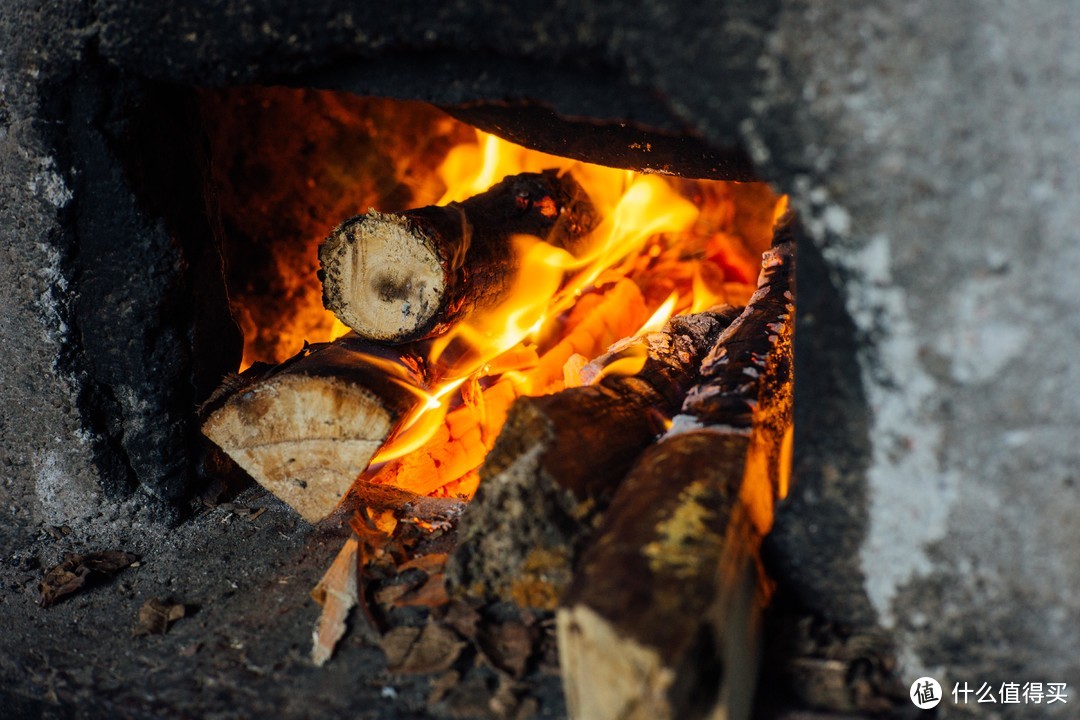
column 307, row 428
column 731, row 373
column 558, row 460
column 404, row 276
column 667, row 596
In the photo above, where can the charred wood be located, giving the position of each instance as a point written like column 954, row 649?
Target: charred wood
column 405, row 276
column 558, row 460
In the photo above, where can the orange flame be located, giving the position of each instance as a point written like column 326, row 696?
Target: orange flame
column 661, row 316
column 636, row 210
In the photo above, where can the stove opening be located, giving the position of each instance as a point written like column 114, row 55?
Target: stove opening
column 562, row 388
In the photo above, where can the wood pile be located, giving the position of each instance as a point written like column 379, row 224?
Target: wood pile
column 630, row 503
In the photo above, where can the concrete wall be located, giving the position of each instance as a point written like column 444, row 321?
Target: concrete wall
column 932, row 150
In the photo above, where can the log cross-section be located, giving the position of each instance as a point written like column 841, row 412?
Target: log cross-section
column 308, row 427
column 405, row 276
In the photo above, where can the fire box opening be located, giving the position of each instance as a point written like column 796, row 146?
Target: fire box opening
column 577, row 375
column 288, row 166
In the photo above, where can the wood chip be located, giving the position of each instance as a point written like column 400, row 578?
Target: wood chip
column 508, row 646
column 427, row 587
column 431, row 563
column 77, row 571
column 338, row 593
column 156, row 615
column 431, row 594
column 443, row 685
column 463, row 617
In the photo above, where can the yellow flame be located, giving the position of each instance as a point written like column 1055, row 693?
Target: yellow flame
column 632, row 357
column 629, row 361
column 633, row 208
column 781, row 207
column 421, row 423
column 704, row 298
column 660, row 317
column 338, row 329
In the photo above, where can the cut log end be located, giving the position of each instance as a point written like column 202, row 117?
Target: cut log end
column 609, row 675
column 612, row 675
column 388, row 299
column 294, row 439
column 413, row 275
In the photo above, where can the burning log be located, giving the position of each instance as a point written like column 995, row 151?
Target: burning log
column 306, row 428
column 665, row 601
column 747, row 379
column 558, row 459
column 460, row 445
column 401, row 277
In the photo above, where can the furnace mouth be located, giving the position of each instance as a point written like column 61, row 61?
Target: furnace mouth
column 581, row 372
column 548, row 401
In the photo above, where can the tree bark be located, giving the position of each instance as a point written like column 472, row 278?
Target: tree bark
column 308, row 427
column 666, row 599
column 558, row 459
column 658, row 623
column 411, row 275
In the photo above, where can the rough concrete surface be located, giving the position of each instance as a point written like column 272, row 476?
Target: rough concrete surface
column 241, row 651
column 44, row 453
column 931, row 149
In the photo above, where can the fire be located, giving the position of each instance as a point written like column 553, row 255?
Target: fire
column 664, row 246
column 655, row 233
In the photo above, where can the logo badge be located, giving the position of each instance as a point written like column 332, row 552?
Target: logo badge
column 925, row 693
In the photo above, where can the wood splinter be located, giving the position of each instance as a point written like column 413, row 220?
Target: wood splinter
column 411, row 275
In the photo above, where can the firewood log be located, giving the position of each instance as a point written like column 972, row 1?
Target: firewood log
column 746, row 384
column 661, row 619
column 654, row 624
column 557, row 462
column 732, row 371
column 306, row 428
column 404, row 276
